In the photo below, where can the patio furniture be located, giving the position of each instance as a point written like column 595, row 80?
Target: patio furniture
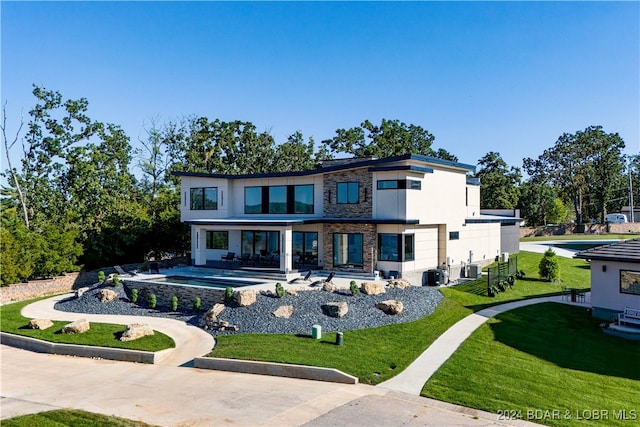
column 229, row 257
column 629, row 315
column 302, row 279
column 323, row 281
column 244, row 259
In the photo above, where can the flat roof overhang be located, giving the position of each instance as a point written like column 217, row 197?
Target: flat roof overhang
column 269, row 222
column 485, row 219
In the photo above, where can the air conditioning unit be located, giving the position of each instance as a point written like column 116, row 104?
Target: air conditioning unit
column 504, row 257
column 475, row 271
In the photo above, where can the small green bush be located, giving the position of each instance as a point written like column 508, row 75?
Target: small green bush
column 279, row 290
column 134, row 296
column 354, row 288
column 152, row 301
column 174, row 303
column 116, row 280
column 228, row 294
column 101, row 277
column 197, row 303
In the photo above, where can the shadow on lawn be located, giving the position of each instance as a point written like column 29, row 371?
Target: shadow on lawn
column 569, row 337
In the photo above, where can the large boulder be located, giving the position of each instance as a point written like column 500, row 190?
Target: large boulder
column 215, row 311
column 335, row 309
column 135, row 331
column 284, row 311
column 328, row 287
column 372, row 288
column 292, row 292
column 391, row 307
column 399, row 283
column 78, row 327
column 245, row 298
column 40, row 323
column 107, row 295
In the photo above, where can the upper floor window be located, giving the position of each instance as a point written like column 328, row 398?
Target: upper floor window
column 454, row 235
column 348, row 192
column 204, row 198
column 399, row 184
column 279, row 199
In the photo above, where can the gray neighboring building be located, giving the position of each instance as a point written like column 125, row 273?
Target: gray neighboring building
column 615, row 277
column 510, row 223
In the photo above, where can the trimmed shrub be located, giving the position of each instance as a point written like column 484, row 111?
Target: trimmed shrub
column 101, row 277
column 116, row 280
column 174, row 303
column 228, row 294
column 197, row 303
column 134, row 296
column 152, row 301
column 354, row 288
column 279, row 290
column 549, row 267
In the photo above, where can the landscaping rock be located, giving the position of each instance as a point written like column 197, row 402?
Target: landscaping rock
column 292, row 292
column 391, row 307
column 245, row 298
column 135, row 331
column 328, row 287
column 40, row 323
column 107, row 295
column 78, row 327
column 399, row 283
column 372, row 288
column 284, row 311
column 335, row 309
column 215, row 311
column 81, row 291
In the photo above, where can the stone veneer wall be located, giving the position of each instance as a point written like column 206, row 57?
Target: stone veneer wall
column 38, row 288
column 369, row 240
column 164, row 292
column 363, row 209
column 558, row 230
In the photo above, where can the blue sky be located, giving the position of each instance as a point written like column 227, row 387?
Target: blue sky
column 496, row 76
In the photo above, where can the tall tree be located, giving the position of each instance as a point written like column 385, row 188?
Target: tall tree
column 499, row 183
column 536, row 203
column 586, row 167
column 295, row 154
column 390, row 138
column 12, row 171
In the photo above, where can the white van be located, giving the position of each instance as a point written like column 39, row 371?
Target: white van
column 615, row 218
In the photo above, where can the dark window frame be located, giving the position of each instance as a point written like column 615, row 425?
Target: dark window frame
column 454, row 235
column 399, row 184
column 293, row 205
column 348, row 199
column 357, row 265
column 210, row 240
column 402, row 254
column 200, row 202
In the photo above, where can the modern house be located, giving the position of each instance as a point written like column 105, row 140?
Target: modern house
column 405, row 215
column 615, row 277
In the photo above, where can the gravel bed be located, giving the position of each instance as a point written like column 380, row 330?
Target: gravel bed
column 307, row 310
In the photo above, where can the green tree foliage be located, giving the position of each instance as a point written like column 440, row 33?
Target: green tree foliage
column 391, row 138
column 549, row 267
column 586, row 167
column 499, row 183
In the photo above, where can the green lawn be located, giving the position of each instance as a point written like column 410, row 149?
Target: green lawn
column 70, row 417
column 100, row 334
column 372, row 354
column 544, row 357
column 582, row 237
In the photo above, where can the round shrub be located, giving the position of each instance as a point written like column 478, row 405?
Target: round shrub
column 197, row 303
column 134, row 296
column 549, row 267
column 354, row 288
column 116, row 280
column 174, row 303
column 152, row 301
column 279, row 290
column 101, row 277
column 228, row 294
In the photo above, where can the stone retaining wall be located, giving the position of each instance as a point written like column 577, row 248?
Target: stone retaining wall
column 37, row 288
column 559, row 230
column 164, row 292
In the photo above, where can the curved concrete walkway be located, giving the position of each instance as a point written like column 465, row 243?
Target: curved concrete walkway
column 191, row 341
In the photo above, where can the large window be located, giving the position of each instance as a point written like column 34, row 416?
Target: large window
column 253, row 200
column 630, row 282
column 280, row 199
column 303, row 199
column 260, row 242
column 347, row 250
column 348, row 192
column 398, row 184
column 396, row 247
column 204, row 198
column 218, row 240
column 305, row 247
